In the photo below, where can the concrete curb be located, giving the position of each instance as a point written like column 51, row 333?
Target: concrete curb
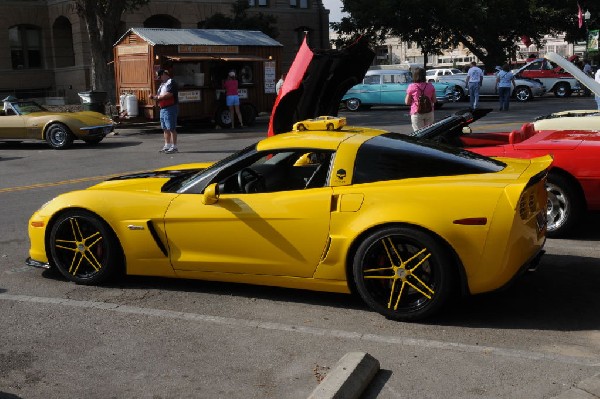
column 586, row 389
column 349, row 378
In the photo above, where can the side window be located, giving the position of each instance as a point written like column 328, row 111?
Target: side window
column 387, row 79
column 372, row 79
column 278, row 171
column 403, row 78
column 535, row 66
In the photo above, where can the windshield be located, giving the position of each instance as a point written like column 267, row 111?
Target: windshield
column 27, row 107
column 197, row 182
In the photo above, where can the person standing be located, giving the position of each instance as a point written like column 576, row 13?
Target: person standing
column 505, row 80
column 232, row 98
column 474, row 81
column 597, row 78
column 420, row 87
column 587, row 69
column 279, row 84
column 168, row 99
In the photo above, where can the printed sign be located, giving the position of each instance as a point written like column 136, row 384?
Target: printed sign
column 189, row 96
column 593, row 40
column 270, row 77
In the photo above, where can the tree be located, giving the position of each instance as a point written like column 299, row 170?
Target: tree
column 103, row 19
column 490, row 29
column 241, row 20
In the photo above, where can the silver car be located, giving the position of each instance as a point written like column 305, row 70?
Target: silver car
column 524, row 90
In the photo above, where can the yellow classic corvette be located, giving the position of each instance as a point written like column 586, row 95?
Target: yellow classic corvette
column 27, row 120
column 403, row 222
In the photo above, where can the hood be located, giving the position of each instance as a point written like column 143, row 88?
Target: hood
column 316, row 83
column 154, row 180
column 577, row 73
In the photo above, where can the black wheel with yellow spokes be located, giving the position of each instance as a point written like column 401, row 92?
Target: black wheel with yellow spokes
column 403, row 273
column 84, row 248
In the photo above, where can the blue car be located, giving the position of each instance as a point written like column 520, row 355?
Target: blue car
column 388, row 87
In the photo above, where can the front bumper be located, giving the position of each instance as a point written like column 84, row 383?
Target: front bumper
column 96, row 131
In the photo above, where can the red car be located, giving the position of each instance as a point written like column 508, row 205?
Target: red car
column 574, row 178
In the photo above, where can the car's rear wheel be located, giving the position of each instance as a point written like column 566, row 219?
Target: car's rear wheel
column 565, row 205
column 59, row 137
column 330, row 126
column 301, row 127
column 84, row 248
column 403, row 273
column 459, row 94
column 562, row 90
column 523, row 94
column 353, row 104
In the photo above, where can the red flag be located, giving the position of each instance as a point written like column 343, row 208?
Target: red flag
column 579, row 16
column 526, row 40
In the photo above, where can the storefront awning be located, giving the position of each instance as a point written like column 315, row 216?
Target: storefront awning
column 189, row 58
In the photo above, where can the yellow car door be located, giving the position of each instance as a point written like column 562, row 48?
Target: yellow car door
column 276, row 233
column 12, row 127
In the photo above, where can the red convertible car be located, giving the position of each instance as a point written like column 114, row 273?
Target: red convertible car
column 574, row 178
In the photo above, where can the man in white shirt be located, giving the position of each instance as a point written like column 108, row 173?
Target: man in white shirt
column 474, row 81
column 279, row 84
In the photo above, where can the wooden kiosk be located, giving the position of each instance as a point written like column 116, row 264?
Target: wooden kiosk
column 199, row 61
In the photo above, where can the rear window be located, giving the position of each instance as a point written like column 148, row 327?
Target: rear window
column 393, row 156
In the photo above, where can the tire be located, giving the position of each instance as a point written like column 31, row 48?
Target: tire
column 330, row 126
column 94, row 141
column 565, row 205
column 353, row 104
column 523, row 94
column 223, row 117
column 84, row 248
column 248, row 114
column 301, row 127
column 562, row 90
column 459, row 94
column 59, row 137
column 410, row 280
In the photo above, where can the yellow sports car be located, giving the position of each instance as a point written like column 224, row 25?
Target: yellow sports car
column 402, row 222
column 321, row 123
column 27, row 120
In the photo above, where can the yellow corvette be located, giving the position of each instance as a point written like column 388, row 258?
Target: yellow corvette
column 402, row 222
column 27, row 120
column 321, row 123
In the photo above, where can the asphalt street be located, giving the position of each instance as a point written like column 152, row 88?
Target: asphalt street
column 158, row 338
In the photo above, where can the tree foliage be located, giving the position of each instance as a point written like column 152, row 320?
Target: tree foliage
column 489, row 29
column 103, row 19
column 241, row 20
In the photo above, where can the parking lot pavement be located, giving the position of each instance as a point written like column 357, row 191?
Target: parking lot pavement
column 586, row 389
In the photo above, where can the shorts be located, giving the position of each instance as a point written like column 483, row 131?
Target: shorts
column 232, row 100
column 168, row 118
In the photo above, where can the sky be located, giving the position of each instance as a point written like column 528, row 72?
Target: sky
column 335, row 10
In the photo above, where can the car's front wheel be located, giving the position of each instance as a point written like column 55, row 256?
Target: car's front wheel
column 84, row 248
column 565, row 205
column 59, row 137
column 403, row 273
column 353, row 104
column 523, row 94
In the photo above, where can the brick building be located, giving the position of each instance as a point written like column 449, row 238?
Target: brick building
column 46, row 51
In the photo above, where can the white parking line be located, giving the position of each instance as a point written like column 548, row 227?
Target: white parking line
column 350, row 335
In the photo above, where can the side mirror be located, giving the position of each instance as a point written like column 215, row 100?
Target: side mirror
column 467, row 130
column 211, row 194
